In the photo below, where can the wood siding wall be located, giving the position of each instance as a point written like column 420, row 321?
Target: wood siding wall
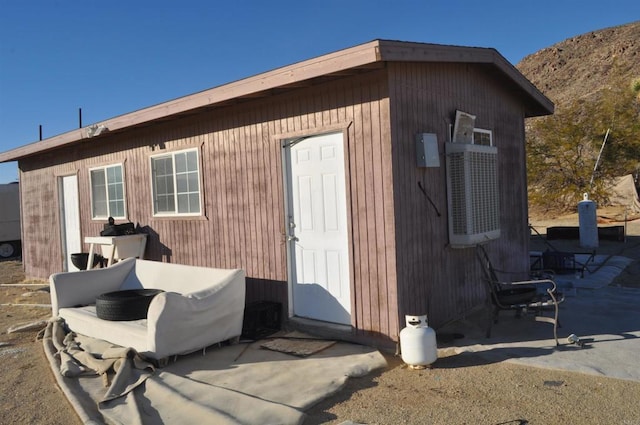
column 243, row 198
column 433, row 278
column 400, row 260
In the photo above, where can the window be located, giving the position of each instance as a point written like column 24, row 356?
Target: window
column 482, row 137
column 464, row 131
column 176, row 183
column 107, row 192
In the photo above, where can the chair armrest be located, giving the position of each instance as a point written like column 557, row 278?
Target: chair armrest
column 178, row 324
column 70, row 289
column 536, row 282
column 556, row 298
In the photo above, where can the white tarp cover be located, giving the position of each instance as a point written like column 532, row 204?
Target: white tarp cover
column 624, row 194
column 238, row 384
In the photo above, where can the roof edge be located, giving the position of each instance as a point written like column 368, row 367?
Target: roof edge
column 398, row 51
column 341, row 60
column 351, row 57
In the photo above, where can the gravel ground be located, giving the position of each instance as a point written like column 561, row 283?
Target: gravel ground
column 458, row 389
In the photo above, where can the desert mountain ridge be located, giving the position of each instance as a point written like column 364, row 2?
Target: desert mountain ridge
column 580, row 66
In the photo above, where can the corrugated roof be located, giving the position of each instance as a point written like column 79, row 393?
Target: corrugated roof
column 333, row 65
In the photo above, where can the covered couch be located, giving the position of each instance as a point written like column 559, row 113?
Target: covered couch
column 199, row 307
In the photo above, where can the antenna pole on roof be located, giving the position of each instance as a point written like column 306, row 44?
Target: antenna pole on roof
column 40, row 131
column 79, row 117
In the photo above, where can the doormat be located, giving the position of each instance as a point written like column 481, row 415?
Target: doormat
column 301, row 347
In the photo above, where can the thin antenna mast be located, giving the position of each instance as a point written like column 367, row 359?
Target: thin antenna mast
column 595, row 167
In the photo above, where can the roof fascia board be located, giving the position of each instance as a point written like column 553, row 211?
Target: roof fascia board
column 334, row 62
column 353, row 57
column 416, row 52
column 396, row 51
column 43, row 145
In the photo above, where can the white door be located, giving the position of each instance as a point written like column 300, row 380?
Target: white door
column 69, row 220
column 317, row 226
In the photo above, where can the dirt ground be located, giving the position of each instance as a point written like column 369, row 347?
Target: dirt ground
column 29, row 392
column 459, row 389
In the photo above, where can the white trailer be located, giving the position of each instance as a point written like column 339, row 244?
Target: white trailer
column 10, row 233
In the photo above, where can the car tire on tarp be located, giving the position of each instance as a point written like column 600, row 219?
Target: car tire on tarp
column 131, row 304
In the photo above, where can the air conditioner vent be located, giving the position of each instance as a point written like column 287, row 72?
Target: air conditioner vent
column 473, row 197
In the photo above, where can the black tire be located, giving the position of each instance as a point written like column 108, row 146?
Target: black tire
column 7, row 250
column 130, row 304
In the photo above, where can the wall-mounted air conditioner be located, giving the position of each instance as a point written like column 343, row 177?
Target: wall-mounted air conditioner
column 472, row 194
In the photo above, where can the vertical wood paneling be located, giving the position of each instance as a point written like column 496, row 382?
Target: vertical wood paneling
column 433, row 278
column 242, row 186
column 369, row 223
column 273, row 174
column 387, row 236
column 359, row 211
column 375, row 219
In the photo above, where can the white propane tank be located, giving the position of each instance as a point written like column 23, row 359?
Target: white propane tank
column 588, row 222
column 418, row 343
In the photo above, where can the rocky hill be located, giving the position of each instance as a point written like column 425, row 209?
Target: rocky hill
column 580, row 66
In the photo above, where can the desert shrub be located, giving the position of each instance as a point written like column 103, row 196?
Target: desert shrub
column 583, row 147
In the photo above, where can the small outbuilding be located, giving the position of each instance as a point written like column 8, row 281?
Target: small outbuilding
column 352, row 187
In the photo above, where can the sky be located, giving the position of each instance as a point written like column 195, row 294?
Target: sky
column 113, row 57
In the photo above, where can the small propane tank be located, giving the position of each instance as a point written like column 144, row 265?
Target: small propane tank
column 588, row 223
column 418, row 343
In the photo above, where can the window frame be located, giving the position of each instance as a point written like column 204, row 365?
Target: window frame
column 104, row 168
column 176, row 213
column 482, row 131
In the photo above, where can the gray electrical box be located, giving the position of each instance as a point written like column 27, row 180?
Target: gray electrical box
column 427, row 150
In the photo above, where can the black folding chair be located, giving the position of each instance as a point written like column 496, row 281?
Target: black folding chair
column 528, row 296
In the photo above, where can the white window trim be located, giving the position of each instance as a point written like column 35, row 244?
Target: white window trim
column 124, row 191
column 484, row 131
column 200, row 192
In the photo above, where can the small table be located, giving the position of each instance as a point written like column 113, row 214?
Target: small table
column 117, row 247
